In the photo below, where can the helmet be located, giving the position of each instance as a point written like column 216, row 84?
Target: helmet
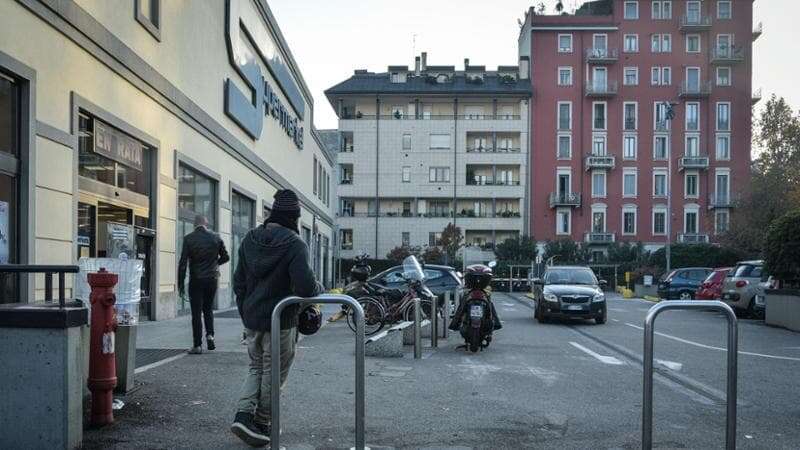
column 310, row 320
column 360, row 272
column 477, row 276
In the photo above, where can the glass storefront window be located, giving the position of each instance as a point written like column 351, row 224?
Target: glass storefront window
column 9, row 185
column 242, row 221
column 9, row 116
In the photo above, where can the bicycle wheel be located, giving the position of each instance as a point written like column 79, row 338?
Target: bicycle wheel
column 374, row 314
column 424, row 313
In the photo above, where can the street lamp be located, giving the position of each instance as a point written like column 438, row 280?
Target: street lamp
column 669, row 114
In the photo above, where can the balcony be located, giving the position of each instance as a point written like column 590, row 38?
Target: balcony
column 692, row 238
column 608, row 89
column 602, row 55
column 694, row 89
column 756, row 97
column 695, row 22
column 727, row 55
column 600, row 162
column 693, row 162
column 720, row 200
column 599, row 237
column 758, row 30
column 490, row 149
column 565, row 199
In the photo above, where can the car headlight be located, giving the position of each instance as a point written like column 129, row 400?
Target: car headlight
column 550, row 298
column 599, row 298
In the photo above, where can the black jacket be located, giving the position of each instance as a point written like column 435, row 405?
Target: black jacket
column 273, row 264
column 204, row 252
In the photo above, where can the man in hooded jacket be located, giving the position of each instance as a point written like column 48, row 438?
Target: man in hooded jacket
column 273, row 264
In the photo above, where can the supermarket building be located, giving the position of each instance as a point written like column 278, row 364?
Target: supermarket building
column 144, row 114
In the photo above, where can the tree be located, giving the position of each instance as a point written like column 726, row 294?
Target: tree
column 629, row 256
column 566, row 251
column 516, row 251
column 433, row 255
column 782, row 249
column 541, row 8
column 696, row 255
column 398, row 254
column 451, row 242
column 559, row 6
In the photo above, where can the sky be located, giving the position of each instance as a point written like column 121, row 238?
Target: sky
column 331, row 38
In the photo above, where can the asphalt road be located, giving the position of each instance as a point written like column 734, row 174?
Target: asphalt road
column 560, row 385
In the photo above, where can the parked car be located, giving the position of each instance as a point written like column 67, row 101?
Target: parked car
column 742, row 286
column 439, row 279
column 682, row 284
column 569, row 292
column 711, row 288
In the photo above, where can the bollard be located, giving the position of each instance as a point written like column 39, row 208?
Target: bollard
column 434, row 322
column 417, row 331
column 102, row 366
column 446, row 313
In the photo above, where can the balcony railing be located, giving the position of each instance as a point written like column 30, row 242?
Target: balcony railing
column 600, row 162
column 607, row 89
column 490, row 149
column 692, row 238
column 598, row 237
column 726, row 54
column 692, row 162
column 602, row 55
column 720, row 200
column 758, row 30
column 694, row 89
column 695, row 22
column 565, row 199
column 492, row 182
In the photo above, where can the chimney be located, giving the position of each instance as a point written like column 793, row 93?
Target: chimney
column 416, row 66
column 524, row 66
column 424, row 63
column 466, row 63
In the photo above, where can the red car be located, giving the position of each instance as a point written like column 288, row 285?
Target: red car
column 711, row 288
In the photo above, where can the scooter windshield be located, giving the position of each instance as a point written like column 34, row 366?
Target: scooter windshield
column 412, row 270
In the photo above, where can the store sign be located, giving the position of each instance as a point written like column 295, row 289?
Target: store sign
column 118, row 146
column 247, row 36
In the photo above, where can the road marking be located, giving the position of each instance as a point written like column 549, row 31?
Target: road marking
column 615, row 320
column 711, row 347
column 617, row 309
column 671, row 365
column 139, row 370
column 509, row 304
column 604, row 359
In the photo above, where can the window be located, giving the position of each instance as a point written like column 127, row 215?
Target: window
column 563, row 183
column 692, row 116
column 599, row 145
column 600, row 79
column 662, row 10
column 721, row 221
column 660, row 116
column 405, row 238
column 629, row 220
column 660, row 183
column 690, row 185
column 690, row 221
column 629, row 180
column 315, row 175
column 406, row 174
column 406, row 142
column 10, row 117
column 631, row 10
column 565, row 76
column 564, row 147
column 722, row 186
column 563, row 220
column 724, row 9
column 692, row 79
column 197, row 195
column 564, row 115
column 434, row 239
column 346, row 238
column 565, row 43
column 398, row 77
column 692, row 43
column 723, row 76
column 243, row 210
column 439, row 175
column 661, row 43
column 659, row 221
column 598, row 184
column 630, row 114
column 692, row 147
column 346, row 208
column 631, row 43
column 660, row 147
column 598, row 220
column 148, row 14
column 629, row 146
column 440, row 141
column 661, row 76
column 724, row 116
column 693, row 12
column 723, row 147
column 631, row 76
column 599, row 116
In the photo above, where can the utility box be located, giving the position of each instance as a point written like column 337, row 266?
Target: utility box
column 41, row 375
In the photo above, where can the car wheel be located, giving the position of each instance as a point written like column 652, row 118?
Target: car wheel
column 752, row 313
column 601, row 319
column 686, row 295
column 542, row 318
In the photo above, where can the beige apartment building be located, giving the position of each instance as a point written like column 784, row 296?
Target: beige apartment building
column 144, row 114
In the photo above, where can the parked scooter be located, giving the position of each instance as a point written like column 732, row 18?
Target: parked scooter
column 476, row 318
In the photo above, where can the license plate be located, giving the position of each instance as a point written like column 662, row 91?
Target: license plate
column 575, row 307
column 476, row 311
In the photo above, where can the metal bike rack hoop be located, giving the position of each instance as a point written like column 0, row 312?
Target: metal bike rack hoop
column 275, row 372
column 647, row 403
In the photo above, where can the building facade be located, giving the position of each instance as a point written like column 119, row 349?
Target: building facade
column 606, row 149
column 428, row 146
column 144, row 114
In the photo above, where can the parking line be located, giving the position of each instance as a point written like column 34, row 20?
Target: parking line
column 711, row 347
column 604, row 359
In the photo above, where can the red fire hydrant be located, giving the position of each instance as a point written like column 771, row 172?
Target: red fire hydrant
column 102, row 368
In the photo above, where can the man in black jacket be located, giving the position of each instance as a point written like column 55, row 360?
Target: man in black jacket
column 273, row 264
column 204, row 252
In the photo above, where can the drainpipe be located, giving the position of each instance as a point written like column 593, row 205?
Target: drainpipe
column 377, row 170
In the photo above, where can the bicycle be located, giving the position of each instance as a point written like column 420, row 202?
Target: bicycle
column 380, row 310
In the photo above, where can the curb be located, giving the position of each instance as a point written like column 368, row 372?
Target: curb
column 650, row 298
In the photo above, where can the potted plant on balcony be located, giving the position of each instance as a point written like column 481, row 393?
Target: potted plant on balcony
column 782, row 261
column 359, row 115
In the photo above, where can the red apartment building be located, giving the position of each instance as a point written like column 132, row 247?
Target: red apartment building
column 601, row 140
